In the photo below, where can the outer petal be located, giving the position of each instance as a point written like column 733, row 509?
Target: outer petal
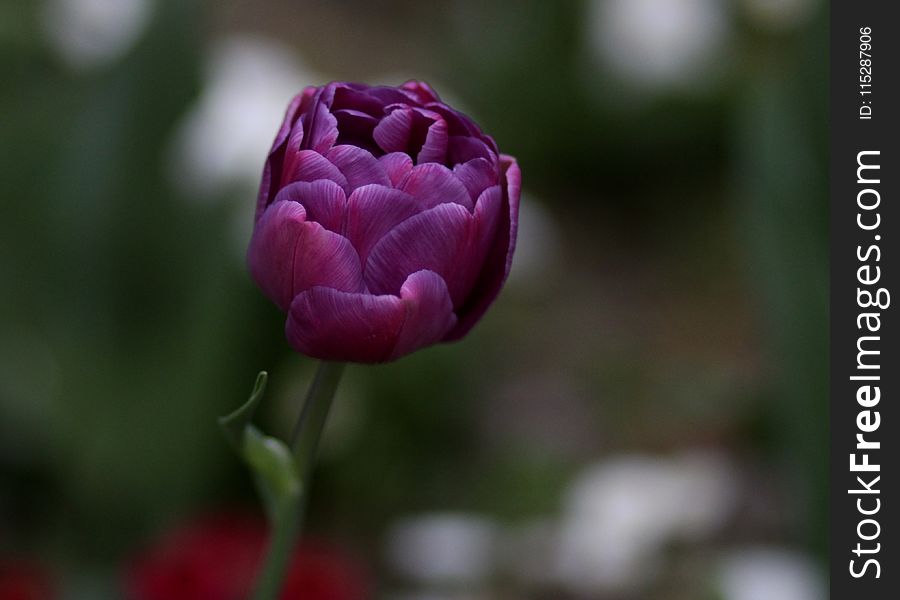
column 372, row 211
column 331, row 325
column 432, row 184
column 271, row 177
column 429, row 312
column 435, row 240
column 270, row 256
column 289, row 254
column 323, row 199
column 312, row 166
column 290, row 115
column 499, row 258
column 513, row 192
column 273, row 168
column 358, row 166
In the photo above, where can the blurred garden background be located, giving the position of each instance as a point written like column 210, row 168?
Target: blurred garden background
column 642, row 415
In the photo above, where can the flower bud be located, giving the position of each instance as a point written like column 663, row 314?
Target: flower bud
column 386, row 221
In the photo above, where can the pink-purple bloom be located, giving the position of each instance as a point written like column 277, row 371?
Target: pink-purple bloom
column 386, row 221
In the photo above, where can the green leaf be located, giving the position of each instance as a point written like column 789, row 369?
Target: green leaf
column 273, row 464
column 235, row 423
column 270, row 460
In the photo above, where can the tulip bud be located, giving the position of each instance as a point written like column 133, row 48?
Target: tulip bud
column 386, row 221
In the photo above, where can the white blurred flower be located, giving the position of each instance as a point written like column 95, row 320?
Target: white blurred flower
column 91, row 33
column 780, row 15
column 659, row 43
column 620, row 513
column 770, row 574
column 223, row 140
column 442, row 548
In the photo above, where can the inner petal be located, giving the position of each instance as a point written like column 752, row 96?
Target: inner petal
column 323, row 199
column 372, row 211
column 436, row 239
column 432, row 184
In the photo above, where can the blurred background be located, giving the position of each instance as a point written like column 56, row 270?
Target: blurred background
column 641, row 415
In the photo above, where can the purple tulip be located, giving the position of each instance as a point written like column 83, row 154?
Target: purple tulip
column 386, row 221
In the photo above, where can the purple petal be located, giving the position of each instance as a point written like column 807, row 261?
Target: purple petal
column 270, row 256
column 331, row 325
column 513, row 192
column 396, row 165
column 354, row 122
column 499, row 258
column 292, row 148
column 413, row 131
column 358, row 166
column 289, row 254
column 355, row 128
column 357, row 100
column 391, row 95
column 392, row 133
column 461, row 149
column 372, row 211
column 322, row 131
column 275, row 161
column 490, row 143
column 457, row 123
column 311, row 166
column 487, row 217
column 477, row 175
column 421, row 90
column 290, row 115
column 435, row 147
column 429, row 312
column 325, row 258
column 324, row 201
column 432, row 184
column 272, row 172
column 436, row 239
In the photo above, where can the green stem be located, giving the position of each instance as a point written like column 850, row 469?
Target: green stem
column 308, row 430
column 287, row 520
column 285, row 528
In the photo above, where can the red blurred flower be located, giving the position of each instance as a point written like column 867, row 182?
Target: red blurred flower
column 217, row 559
column 23, row 581
column 321, row 573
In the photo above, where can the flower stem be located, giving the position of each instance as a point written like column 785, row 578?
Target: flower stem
column 308, row 429
column 287, row 518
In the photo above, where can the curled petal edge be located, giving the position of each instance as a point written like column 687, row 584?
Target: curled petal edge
column 327, row 324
